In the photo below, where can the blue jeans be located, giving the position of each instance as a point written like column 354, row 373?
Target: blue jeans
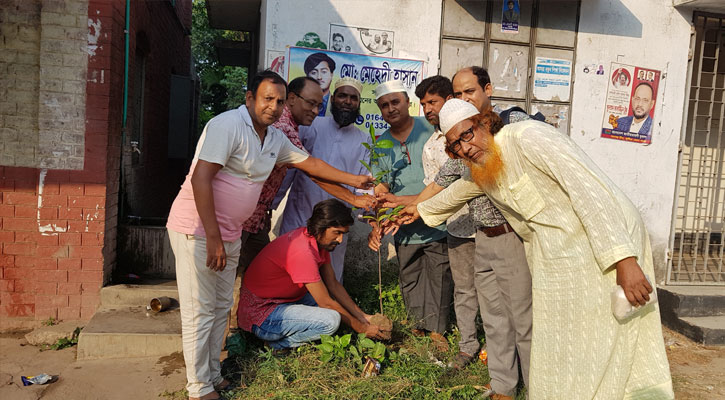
column 294, row 324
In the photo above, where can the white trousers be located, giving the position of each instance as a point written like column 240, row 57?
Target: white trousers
column 205, row 298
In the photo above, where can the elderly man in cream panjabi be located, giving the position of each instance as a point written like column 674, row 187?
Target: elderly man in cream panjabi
column 582, row 237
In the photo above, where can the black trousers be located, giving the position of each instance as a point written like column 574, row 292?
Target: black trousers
column 426, row 283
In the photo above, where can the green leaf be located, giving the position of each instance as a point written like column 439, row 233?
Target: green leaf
column 382, row 210
column 326, row 339
column 367, row 146
column 354, row 352
column 369, row 217
column 398, row 208
column 372, row 133
column 326, row 357
column 384, row 144
column 367, row 343
column 345, row 340
column 366, row 165
column 325, row 347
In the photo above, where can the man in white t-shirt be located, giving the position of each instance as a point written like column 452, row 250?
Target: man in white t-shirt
column 234, row 156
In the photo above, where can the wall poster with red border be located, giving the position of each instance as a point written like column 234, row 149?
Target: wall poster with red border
column 629, row 111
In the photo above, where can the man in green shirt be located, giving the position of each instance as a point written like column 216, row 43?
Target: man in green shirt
column 425, row 275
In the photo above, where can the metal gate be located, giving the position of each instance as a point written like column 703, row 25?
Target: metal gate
column 698, row 228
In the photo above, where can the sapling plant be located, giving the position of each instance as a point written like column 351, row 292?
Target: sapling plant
column 380, row 214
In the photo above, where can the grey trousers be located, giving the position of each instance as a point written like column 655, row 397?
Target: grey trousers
column 426, row 284
column 465, row 301
column 502, row 283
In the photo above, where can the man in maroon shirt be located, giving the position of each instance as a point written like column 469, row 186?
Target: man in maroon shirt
column 290, row 296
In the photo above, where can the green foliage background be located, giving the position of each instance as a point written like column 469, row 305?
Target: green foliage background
column 222, row 87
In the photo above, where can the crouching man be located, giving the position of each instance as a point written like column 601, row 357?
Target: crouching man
column 289, row 295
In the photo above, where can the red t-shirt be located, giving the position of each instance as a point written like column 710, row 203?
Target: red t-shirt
column 278, row 275
column 282, row 268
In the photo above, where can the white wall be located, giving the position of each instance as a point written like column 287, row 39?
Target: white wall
column 650, row 34
column 416, row 23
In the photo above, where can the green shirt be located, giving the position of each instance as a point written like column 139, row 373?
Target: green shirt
column 406, row 178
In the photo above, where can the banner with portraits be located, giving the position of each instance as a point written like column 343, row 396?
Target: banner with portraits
column 629, row 111
column 328, row 66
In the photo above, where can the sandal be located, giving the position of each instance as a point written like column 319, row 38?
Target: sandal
column 224, row 385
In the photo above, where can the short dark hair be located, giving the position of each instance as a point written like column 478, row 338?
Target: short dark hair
column 266, row 75
column 334, row 35
column 644, row 84
column 437, row 85
column 314, row 59
column 481, row 73
column 327, row 214
column 298, row 84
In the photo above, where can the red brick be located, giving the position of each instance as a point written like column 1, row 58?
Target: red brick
column 75, row 213
column 87, row 312
column 53, row 225
column 74, row 300
column 26, row 211
column 90, row 300
column 56, row 300
column 69, row 288
column 46, row 288
column 14, row 273
column 7, row 260
column 24, row 261
column 17, row 298
column 25, row 285
column 23, row 249
column 58, row 200
column 46, row 263
column 19, row 310
column 20, row 173
column 57, row 175
column 22, row 186
column 46, row 313
column 20, row 198
column 7, row 185
column 69, row 313
column 69, row 239
column 20, row 224
column 91, row 287
column 94, row 264
column 85, row 276
column 7, row 285
column 95, row 189
column 7, row 210
column 94, row 214
column 86, row 226
column 86, row 201
column 71, row 189
column 36, row 237
column 92, row 239
column 51, row 188
column 59, row 276
column 69, row 264
column 47, row 212
column 52, row 251
column 7, row 237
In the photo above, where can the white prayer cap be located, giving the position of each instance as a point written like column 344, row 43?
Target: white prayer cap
column 453, row 112
column 347, row 81
column 389, row 87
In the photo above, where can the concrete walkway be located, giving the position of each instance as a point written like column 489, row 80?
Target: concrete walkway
column 130, row 378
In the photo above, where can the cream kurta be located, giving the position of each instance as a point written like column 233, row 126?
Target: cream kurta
column 575, row 224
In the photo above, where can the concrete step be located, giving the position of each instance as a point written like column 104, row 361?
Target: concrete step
column 137, row 295
column 692, row 301
column 705, row 330
column 122, row 332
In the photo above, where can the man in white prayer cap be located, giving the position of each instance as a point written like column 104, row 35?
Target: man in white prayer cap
column 582, row 237
column 425, row 275
column 338, row 141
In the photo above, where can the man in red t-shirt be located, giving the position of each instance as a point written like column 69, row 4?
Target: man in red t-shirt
column 289, row 294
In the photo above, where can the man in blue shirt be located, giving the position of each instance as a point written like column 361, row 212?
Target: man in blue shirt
column 425, row 275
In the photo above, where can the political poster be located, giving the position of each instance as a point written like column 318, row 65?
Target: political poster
column 329, row 66
column 629, row 111
column 510, row 14
column 353, row 39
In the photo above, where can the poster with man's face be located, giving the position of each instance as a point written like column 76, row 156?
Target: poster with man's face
column 351, row 39
column 629, row 111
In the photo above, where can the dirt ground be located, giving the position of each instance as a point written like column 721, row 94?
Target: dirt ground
column 698, row 372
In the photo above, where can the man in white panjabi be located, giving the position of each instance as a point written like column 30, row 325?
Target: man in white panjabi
column 582, row 237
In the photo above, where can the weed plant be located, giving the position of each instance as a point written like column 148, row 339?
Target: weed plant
column 408, row 370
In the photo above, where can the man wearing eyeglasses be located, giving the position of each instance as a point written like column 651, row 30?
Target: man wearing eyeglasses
column 338, row 141
column 425, row 275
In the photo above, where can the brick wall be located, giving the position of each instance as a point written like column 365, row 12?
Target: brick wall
column 58, row 219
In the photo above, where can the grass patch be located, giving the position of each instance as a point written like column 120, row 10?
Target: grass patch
column 408, row 370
